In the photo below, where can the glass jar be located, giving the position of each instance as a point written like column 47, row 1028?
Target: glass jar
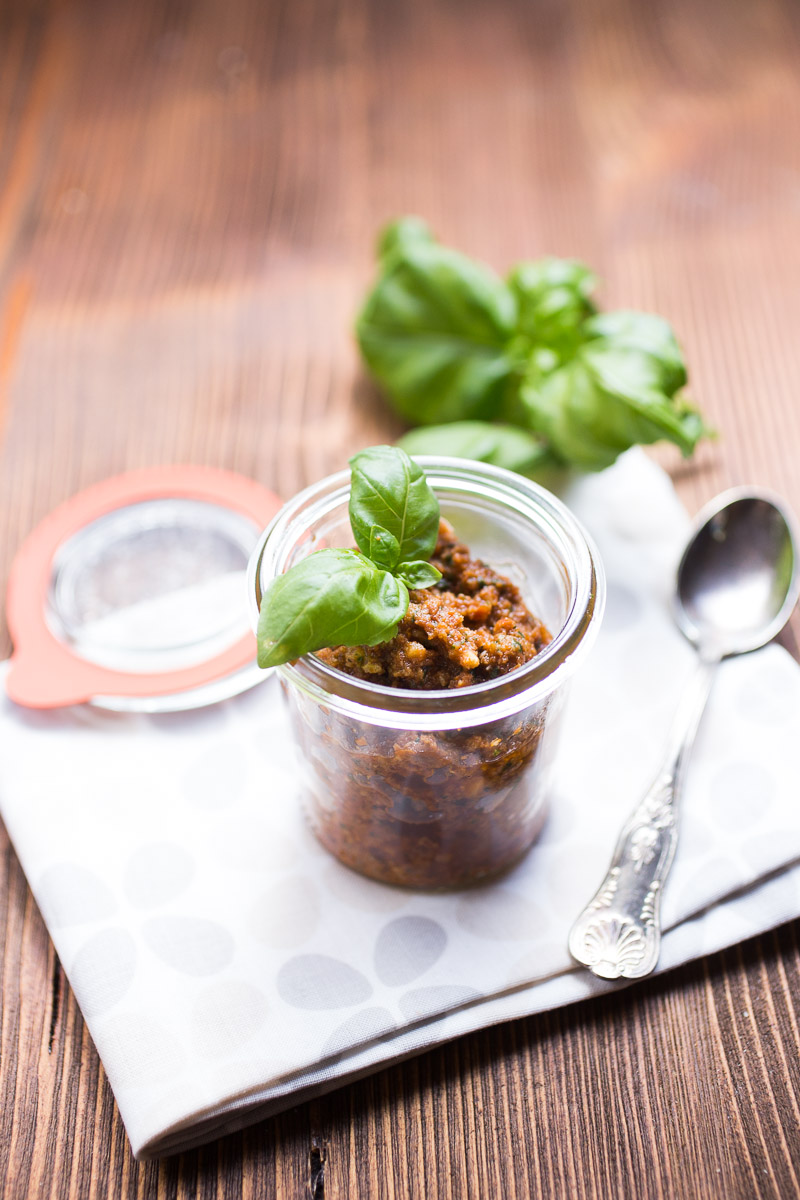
column 439, row 789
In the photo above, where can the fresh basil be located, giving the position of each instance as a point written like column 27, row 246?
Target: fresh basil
column 435, row 327
column 501, row 445
column 452, row 343
column 553, row 300
column 331, row 598
column 347, row 598
column 418, row 574
column 619, row 389
column 390, row 494
column 383, row 547
column 398, row 235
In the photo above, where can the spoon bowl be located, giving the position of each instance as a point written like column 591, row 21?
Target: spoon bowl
column 739, row 577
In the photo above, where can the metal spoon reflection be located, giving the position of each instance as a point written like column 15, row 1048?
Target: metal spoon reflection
column 737, row 583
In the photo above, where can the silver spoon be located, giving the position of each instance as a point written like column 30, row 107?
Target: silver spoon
column 737, row 583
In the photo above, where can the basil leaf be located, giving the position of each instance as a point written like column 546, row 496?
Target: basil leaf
column 388, row 489
column 553, row 300
column 501, row 445
column 418, row 574
column 331, row 598
column 607, row 399
column 399, row 234
column 645, row 334
column 384, row 548
column 433, row 331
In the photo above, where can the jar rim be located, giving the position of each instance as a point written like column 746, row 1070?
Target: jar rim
column 478, row 702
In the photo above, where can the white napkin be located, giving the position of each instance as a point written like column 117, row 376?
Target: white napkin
column 227, row 966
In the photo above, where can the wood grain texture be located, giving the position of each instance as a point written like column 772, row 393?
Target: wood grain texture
column 188, row 198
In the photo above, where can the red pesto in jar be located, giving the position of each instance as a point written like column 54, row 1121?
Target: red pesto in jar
column 434, row 809
column 469, row 627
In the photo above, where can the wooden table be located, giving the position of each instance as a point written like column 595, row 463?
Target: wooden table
column 189, row 198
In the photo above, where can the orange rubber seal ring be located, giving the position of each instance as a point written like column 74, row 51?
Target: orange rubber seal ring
column 46, row 673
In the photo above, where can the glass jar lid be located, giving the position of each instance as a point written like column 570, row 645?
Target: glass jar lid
column 132, row 594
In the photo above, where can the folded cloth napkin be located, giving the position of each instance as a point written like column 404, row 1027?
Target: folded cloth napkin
column 227, row 966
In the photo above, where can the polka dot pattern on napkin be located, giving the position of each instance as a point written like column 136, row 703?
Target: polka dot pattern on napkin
column 219, row 953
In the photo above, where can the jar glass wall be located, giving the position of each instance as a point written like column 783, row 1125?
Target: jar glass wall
column 440, row 789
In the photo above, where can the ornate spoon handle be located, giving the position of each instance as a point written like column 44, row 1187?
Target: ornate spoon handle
column 619, row 932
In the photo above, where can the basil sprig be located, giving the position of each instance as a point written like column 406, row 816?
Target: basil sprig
column 357, row 597
column 460, row 349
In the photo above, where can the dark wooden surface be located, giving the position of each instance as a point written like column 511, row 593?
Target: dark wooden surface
column 188, row 197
